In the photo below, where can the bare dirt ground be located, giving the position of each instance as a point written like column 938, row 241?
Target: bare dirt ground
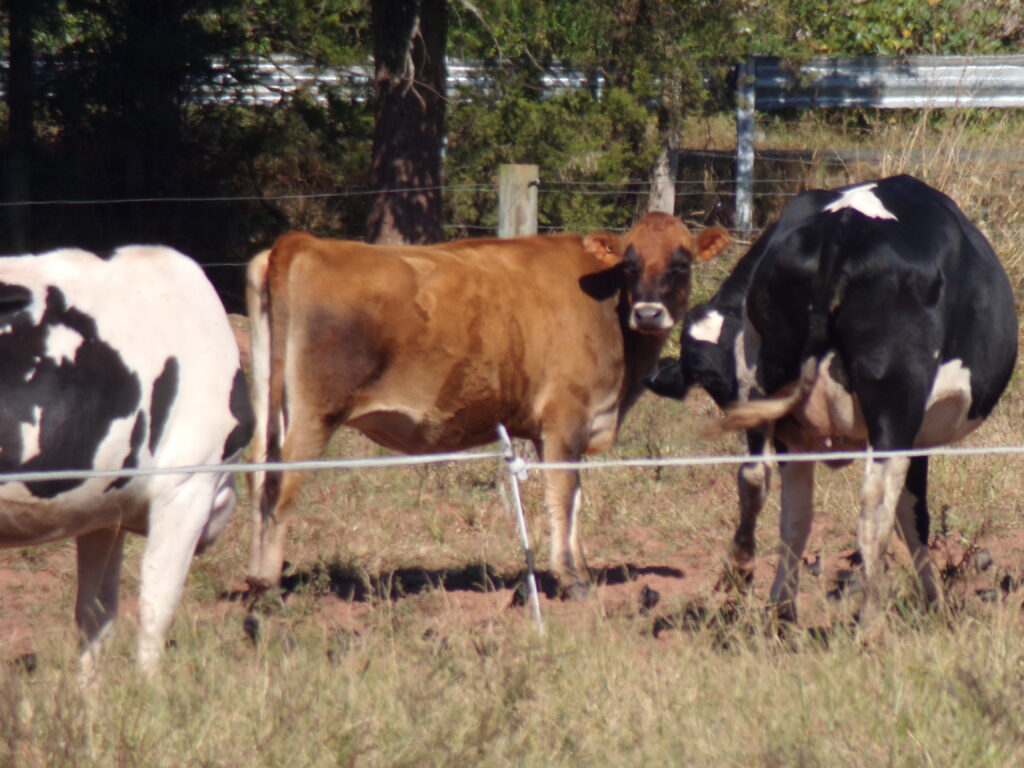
column 667, row 590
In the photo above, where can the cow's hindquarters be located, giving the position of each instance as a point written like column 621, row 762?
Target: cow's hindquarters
column 290, row 425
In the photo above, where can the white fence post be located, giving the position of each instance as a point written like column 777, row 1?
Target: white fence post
column 515, row 468
column 745, row 146
column 517, row 200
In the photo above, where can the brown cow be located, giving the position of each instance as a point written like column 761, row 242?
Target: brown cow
column 427, row 348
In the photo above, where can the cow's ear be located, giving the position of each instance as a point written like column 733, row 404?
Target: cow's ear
column 711, row 242
column 603, row 246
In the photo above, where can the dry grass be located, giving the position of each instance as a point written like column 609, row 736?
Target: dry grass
column 590, row 691
column 423, row 662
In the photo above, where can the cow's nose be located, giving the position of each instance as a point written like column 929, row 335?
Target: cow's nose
column 651, row 316
column 667, row 381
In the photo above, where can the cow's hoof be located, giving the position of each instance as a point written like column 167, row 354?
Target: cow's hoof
column 785, row 613
column 733, row 579
column 264, row 601
column 251, row 628
column 577, row 590
column 258, row 584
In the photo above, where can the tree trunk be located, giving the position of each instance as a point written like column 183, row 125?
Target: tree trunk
column 408, row 46
column 663, row 179
column 666, row 169
column 150, row 117
column 20, row 94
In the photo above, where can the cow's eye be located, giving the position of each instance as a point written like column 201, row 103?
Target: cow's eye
column 679, row 269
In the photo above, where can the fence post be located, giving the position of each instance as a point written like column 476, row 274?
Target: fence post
column 663, row 179
column 517, row 200
column 745, row 146
column 514, row 466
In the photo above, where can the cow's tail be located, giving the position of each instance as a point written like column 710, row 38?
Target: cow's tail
column 277, row 311
column 754, row 413
column 257, row 305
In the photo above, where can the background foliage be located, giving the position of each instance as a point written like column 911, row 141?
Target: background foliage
column 120, row 112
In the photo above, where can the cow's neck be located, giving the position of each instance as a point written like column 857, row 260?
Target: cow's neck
column 641, row 352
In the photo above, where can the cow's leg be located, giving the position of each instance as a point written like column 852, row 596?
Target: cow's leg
column 99, row 575
column 912, row 521
column 883, row 483
column 797, row 499
column 891, row 359
column 306, row 439
column 177, row 517
column 753, row 481
column 256, row 482
column 893, row 407
column 562, row 498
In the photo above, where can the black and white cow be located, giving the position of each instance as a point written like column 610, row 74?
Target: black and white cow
column 872, row 316
column 124, row 362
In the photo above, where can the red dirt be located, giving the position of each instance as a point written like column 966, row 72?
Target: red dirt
column 38, row 589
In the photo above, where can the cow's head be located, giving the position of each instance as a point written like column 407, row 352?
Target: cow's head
column 654, row 260
column 707, row 358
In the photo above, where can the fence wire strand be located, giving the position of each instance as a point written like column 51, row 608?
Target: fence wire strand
column 684, row 188
column 522, row 465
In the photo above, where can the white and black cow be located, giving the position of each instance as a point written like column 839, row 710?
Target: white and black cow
column 872, row 316
column 124, row 362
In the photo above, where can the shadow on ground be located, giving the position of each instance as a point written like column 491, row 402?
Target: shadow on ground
column 354, row 584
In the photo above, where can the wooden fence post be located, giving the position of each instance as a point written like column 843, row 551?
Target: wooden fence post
column 517, row 200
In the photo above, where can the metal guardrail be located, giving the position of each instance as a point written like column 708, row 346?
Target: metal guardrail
column 763, row 83
column 265, row 81
column 882, row 82
column 889, row 82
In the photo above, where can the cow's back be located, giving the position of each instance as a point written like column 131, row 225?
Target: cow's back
column 443, row 341
column 917, row 268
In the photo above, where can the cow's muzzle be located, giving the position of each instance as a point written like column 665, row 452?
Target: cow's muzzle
column 668, row 381
column 650, row 317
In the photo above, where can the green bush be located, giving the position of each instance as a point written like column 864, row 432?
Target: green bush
column 588, row 151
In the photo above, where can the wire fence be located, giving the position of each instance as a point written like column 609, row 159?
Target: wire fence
column 517, row 469
column 695, row 199
column 522, row 465
column 638, row 188
column 709, row 201
column 686, row 191
column 774, row 185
